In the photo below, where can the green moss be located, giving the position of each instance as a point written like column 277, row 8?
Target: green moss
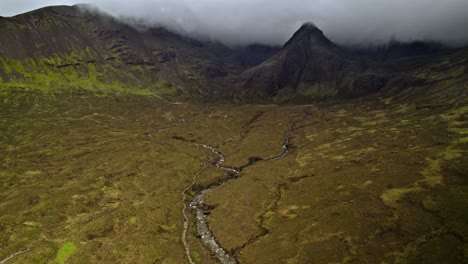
column 317, row 91
column 98, row 227
column 65, row 252
column 291, row 216
column 269, row 214
column 387, row 100
column 12, row 65
column 352, row 129
column 392, row 196
column 168, row 228
column 324, row 146
column 197, row 257
column 90, row 53
column 81, row 167
column 458, row 71
column 342, row 113
column 6, row 66
column 432, row 172
column 45, row 75
column 92, row 73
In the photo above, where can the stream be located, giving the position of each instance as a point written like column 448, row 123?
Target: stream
column 201, row 210
column 179, row 122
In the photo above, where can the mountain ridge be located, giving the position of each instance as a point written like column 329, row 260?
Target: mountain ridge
column 310, row 67
column 73, row 47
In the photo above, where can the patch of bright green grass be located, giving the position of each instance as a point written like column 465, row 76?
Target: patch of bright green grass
column 197, row 257
column 65, row 252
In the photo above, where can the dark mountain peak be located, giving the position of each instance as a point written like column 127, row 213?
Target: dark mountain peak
column 308, row 30
column 310, row 27
column 310, row 35
column 307, row 61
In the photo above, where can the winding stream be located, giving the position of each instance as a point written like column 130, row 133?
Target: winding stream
column 180, row 121
column 285, row 144
column 201, row 210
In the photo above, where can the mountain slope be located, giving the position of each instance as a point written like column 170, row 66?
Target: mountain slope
column 309, row 64
column 311, row 67
column 91, row 171
column 67, row 47
column 78, row 50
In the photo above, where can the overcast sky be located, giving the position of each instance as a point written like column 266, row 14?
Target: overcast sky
column 274, row 21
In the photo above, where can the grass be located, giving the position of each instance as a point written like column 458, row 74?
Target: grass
column 358, row 185
column 65, row 252
column 49, row 75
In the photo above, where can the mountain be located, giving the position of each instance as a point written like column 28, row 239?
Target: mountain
column 64, row 47
column 309, row 64
column 311, row 67
column 126, row 144
column 77, row 50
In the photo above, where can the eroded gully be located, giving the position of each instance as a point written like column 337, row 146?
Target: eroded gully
column 200, row 210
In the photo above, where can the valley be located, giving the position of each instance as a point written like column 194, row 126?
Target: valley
column 363, row 181
column 123, row 144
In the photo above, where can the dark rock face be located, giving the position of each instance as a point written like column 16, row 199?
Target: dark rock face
column 311, row 67
column 306, row 61
column 40, row 47
column 163, row 57
column 100, row 48
column 255, row 54
column 368, row 83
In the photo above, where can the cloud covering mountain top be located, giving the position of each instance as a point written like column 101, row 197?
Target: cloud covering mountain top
column 273, row 22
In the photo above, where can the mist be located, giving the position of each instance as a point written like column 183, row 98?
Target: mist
column 241, row 22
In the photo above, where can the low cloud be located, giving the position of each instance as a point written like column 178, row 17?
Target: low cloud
column 239, row 22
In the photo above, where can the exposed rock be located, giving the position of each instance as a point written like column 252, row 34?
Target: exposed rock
column 103, row 50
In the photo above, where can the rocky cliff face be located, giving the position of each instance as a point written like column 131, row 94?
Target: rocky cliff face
column 311, row 67
column 63, row 47
column 72, row 49
column 308, row 65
